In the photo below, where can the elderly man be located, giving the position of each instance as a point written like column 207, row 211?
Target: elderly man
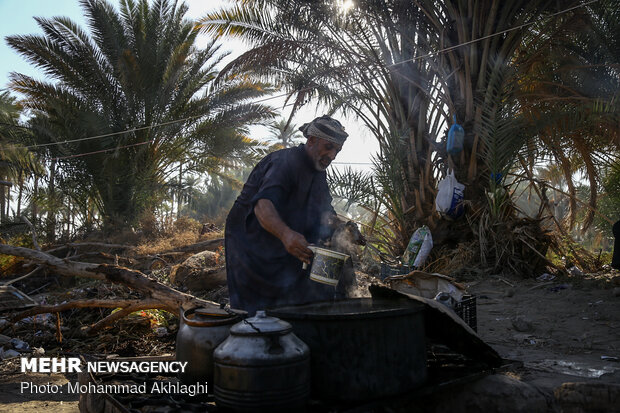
column 284, row 206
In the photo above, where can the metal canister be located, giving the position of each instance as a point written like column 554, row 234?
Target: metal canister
column 262, row 366
column 200, row 332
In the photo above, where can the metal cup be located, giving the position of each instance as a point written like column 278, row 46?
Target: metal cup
column 327, row 265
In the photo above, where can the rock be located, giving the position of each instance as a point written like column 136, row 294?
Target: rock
column 4, row 339
column 8, row 354
column 200, row 272
column 575, row 271
column 588, row 397
column 495, row 393
column 522, row 324
column 20, row 345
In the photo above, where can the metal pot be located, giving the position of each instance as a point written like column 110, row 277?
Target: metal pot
column 200, row 332
column 361, row 348
column 262, row 366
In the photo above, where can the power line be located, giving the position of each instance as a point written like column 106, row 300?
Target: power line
column 100, row 151
column 447, row 49
column 521, row 26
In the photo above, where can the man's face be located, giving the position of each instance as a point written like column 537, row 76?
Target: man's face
column 322, row 152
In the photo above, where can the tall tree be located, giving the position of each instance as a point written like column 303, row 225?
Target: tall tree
column 408, row 70
column 131, row 99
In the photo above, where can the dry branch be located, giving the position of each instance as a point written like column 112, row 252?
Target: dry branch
column 127, row 307
column 157, row 294
column 202, row 246
column 104, row 255
column 33, row 272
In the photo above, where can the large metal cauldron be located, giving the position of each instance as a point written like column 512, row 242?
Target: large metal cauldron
column 361, row 348
column 262, row 367
column 200, row 332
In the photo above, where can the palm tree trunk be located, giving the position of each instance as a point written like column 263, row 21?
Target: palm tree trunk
column 180, row 192
column 2, row 200
column 8, row 202
column 35, row 192
column 20, row 192
column 51, row 214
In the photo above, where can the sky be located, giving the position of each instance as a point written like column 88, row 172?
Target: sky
column 19, row 20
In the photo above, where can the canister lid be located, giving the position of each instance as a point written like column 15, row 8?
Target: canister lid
column 261, row 324
column 207, row 317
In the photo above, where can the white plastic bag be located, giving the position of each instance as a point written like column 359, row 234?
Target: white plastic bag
column 449, row 200
column 419, row 247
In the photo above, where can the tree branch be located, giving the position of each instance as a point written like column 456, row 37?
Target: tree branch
column 136, row 280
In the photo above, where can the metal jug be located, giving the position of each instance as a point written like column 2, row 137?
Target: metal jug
column 262, row 366
column 200, row 332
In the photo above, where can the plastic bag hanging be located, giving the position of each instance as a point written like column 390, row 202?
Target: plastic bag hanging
column 456, row 135
column 449, row 200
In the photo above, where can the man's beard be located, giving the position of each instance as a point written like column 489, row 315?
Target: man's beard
column 322, row 164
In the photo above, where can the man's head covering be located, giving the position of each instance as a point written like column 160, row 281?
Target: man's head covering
column 326, row 128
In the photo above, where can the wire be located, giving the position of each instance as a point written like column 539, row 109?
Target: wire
column 447, row 49
column 100, row 151
column 352, row 163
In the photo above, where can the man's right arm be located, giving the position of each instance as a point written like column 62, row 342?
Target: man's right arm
column 294, row 242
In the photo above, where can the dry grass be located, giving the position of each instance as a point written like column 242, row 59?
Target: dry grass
column 166, row 243
column 515, row 246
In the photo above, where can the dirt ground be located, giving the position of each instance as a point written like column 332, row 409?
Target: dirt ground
column 563, row 330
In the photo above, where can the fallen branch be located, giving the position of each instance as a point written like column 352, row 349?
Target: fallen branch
column 104, row 255
column 90, row 244
column 127, row 307
column 33, row 272
column 57, row 308
column 125, row 312
column 157, row 295
column 211, row 244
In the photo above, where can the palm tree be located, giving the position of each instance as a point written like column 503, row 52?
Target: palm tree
column 16, row 162
column 284, row 133
column 130, row 100
column 407, row 69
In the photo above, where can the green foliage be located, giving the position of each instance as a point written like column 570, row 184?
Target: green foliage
column 137, row 96
column 523, row 96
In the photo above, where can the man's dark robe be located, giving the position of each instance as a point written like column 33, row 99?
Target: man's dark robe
column 260, row 272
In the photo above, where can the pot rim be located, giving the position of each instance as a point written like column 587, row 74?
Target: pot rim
column 293, row 312
column 329, row 253
column 218, row 320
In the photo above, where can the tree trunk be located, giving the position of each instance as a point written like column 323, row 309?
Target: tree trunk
column 19, row 194
column 180, row 192
column 35, row 193
column 51, row 213
column 8, row 202
column 2, row 200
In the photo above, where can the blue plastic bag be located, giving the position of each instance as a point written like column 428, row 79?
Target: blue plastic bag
column 456, row 135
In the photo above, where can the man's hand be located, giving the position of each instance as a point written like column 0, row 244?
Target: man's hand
column 294, row 243
column 297, row 246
